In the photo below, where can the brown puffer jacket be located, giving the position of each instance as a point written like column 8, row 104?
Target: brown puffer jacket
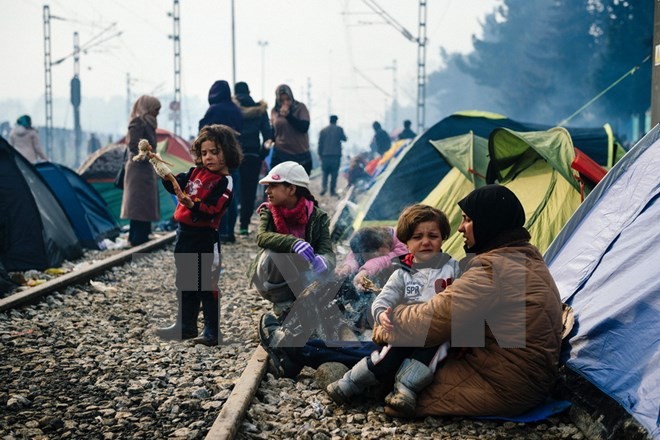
column 487, row 379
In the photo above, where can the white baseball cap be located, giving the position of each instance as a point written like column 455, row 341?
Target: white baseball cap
column 291, row 172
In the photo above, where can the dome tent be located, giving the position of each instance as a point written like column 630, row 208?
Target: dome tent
column 605, row 264
column 83, row 205
column 35, row 233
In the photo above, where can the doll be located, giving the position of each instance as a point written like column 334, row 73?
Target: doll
column 145, row 151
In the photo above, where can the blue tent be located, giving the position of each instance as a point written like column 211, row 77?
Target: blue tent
column 605, row 263
column 35, row 233
column 83, row 205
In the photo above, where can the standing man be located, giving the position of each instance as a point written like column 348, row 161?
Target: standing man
column 407, row 132
column 381, row 141
column 255, row 122
column 222, row 110
column 329, row 150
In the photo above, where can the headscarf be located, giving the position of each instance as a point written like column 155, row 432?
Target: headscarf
column 143, row 109
column 283, row 88
column 24, row 121
column 495, row 211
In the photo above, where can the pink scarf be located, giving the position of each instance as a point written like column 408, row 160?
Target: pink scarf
column 292, row 221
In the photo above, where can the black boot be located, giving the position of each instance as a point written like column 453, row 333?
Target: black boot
column 211, row 307
column 281, row 361
column 185, row 326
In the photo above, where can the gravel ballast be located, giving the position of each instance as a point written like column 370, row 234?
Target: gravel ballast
column 85, row 363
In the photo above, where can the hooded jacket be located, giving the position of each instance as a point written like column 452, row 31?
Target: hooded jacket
column 255, row 122
column 291, row 135
column 26, row 142
column 222, row 109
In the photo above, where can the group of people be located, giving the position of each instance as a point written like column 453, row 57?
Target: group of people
column 477, row 337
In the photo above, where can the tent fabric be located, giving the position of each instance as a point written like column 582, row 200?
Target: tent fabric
column 445, row 197
column 511, row 152
column 401, row 184
column 468, row 153
column 605, row 264
column 418, row 167
column 83, row 205
column 101, row 167
column 35, row 233
column 534, row 165
column 411, row 176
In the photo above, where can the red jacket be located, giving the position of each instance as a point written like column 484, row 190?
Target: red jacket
column 211, row 193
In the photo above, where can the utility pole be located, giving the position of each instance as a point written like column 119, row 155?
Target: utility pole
column 233, row 44
column 129, row 101
column 75, row 82
column 175, row 105
column 262, row 44
column 49, row 84
column 309, row 93
column 76, row 98
column 395, row 101
column 421, row 52
column 421, row 67
column 655, row 79
column 309, row 101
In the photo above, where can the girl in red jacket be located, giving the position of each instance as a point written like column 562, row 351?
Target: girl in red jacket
column 207, row 193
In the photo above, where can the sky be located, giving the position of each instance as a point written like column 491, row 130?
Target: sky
column 338, row 56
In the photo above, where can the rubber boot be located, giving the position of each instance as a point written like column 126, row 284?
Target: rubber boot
column 354, row 382
column 185, row 326
column 412, row 377
column 210, row 306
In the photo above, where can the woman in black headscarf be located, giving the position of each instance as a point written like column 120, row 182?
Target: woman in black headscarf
column 492, row 216
column 502, row 316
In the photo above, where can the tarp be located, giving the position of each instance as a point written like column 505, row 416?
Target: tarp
column 605, row 264
column 83, row 205
column 101, row 167
column 35, row 233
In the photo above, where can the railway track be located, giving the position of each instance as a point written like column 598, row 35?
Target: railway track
column 37, row 340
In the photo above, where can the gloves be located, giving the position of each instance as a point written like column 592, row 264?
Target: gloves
column 319, row 265
column 305, row 250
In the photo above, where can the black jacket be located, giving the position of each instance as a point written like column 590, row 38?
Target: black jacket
column 255, row 121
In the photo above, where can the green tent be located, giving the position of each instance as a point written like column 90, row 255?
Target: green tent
column 468, row 154
column 536, row 166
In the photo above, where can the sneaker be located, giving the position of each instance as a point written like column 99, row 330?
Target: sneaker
column 243, row 232
column 323, row 192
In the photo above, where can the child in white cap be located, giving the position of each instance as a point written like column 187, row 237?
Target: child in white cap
column 293, row 237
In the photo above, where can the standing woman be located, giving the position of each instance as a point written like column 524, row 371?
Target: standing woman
column 290, row 120
column 140, row 201
column 25, row 140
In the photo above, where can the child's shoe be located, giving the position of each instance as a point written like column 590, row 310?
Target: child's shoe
column 353, row 383
column 412, row 377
